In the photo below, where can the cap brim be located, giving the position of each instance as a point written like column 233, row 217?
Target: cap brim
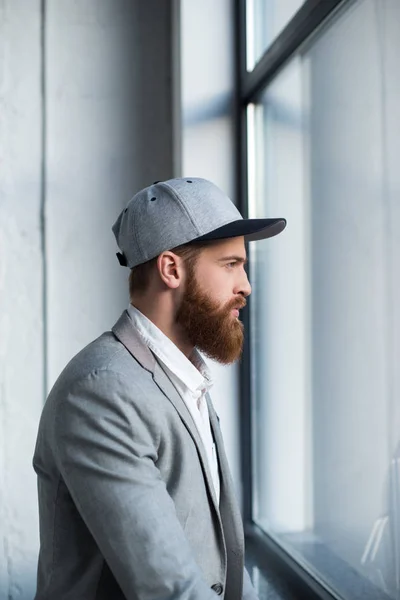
column 252, row 230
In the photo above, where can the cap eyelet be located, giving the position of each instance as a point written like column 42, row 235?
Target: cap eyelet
column 189, row 181
column 125, row 210
column 152, row 199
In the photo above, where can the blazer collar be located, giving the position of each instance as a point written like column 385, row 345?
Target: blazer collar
column 129, row 337
column 126, row 333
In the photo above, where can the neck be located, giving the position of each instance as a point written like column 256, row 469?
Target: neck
column 163, row 317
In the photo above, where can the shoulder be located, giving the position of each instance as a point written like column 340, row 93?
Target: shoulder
column 102, row 375
column 103, row 382
column 104, row 357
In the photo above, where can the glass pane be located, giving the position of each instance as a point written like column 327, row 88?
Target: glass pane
column 323, row 151
column 265, row 20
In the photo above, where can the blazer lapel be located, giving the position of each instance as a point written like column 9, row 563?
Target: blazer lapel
column 167, row 387
column 230, row 514
column 127, row 334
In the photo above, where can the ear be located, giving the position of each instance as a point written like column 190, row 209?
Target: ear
column 170, row 269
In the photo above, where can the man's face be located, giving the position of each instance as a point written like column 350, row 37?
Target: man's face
column 215, row 291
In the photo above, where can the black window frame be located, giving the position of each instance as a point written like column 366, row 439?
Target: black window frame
column 265, row 552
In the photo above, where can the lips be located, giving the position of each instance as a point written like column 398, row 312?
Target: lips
column 236, row 306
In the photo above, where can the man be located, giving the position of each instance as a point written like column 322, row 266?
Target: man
column 135, row 496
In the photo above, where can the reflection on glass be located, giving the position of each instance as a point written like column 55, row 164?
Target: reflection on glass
column 323, row 152
column 265, row 19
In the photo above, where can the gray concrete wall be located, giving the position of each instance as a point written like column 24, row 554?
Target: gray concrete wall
column 108, row 74
column 21, row 297
column 85, row 121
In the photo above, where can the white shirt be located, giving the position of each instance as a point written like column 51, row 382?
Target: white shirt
column 191, row 378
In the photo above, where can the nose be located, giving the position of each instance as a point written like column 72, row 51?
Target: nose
column 243, row 287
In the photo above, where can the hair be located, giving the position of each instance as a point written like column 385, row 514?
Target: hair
column 139, row 277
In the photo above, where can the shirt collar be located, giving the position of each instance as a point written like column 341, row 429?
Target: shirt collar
column 193, row 372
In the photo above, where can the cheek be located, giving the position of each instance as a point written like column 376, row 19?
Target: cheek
column 218, row 285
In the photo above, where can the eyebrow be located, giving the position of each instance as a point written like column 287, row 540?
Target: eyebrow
column 238, row 259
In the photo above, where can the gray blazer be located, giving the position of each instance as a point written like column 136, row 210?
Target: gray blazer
column 126, row 501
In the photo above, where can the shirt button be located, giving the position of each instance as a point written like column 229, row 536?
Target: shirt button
column 217, row 588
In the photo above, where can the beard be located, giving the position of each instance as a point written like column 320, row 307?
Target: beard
column 209, row 326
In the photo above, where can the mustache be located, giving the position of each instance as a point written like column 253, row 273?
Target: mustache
column 238, row 303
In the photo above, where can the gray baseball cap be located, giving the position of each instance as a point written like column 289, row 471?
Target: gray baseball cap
column 170, row 213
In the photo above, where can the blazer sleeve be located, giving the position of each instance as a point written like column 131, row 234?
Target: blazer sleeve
column 106, row 450
column 249, row 593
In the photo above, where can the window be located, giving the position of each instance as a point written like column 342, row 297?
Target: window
column 265, row 20
column 323, row 140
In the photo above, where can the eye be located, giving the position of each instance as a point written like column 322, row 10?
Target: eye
column 231, row 264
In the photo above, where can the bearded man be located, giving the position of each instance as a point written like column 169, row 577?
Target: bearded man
column 135, row 497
